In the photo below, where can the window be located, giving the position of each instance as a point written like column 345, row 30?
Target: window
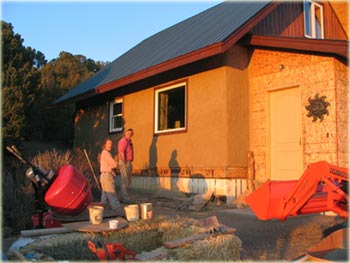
column 170, row 109
column 116, row 115
column 313, row 20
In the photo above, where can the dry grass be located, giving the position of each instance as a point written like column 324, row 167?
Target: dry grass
column 141, row 236
column 218, row 248
column 53, row 159
column 170, row 229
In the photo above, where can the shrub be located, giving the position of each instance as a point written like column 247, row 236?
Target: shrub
column 17, row 197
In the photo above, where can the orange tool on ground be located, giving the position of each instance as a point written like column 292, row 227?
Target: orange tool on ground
column 111, row 251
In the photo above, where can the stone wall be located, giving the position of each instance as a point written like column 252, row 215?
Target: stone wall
column 326, row 76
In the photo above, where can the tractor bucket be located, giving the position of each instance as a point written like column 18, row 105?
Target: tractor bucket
column 267, row 201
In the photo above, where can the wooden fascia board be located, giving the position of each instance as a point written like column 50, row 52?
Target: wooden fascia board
column 338, row 47
column 168, row 65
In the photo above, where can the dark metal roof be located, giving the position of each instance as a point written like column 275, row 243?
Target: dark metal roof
column 202, row 30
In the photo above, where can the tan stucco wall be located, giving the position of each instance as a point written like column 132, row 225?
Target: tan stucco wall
column 237, row 101
column 210, row 147
column 205, row 143
column 325, row 76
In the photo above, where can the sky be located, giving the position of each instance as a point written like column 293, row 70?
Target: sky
column 101, row 31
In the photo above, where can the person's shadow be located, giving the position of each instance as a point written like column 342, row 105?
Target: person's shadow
column 153, row 157
column 175, row 170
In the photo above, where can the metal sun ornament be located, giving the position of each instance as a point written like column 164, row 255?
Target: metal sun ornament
column 317, row 107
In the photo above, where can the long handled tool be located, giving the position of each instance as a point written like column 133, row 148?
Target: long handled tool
column 40, row 179
column 92, row 169
column 12, row 149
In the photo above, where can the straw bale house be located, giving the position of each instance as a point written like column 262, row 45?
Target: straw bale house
column 265, row 78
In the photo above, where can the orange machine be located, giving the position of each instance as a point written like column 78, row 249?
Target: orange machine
column 112, row 251
column 323, row 187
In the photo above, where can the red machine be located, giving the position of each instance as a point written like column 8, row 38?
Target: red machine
column 65, row 192
column 69, row 193
column 111, row 251
column 323, row 187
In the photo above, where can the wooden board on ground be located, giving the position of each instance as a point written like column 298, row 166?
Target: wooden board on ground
column 187, row 240
column 86, row 226
column 44, row 231
column 84, row 216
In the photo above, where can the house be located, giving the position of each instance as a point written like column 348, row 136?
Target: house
column 268, row 79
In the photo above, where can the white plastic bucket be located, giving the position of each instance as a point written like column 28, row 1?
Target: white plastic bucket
column 132, row 212
column 113, row 224
column 96, row 214
column 146, row 210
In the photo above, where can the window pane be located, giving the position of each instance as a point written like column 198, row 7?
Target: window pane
column 171, row 109
column 117, row 122
column 318, row 22
column 116, row 115
column 163, row 111
column 307, row 18
column 117, row 109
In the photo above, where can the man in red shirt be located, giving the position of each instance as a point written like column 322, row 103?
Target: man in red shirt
column 125, row 157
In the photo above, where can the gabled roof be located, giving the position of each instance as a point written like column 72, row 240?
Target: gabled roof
column 207, row 33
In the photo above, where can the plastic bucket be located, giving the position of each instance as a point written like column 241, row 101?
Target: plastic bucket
column 146, row 210
column 96, row 214
column 132, row 212
column 113, row 224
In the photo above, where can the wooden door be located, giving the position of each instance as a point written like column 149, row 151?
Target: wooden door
column 285, row 134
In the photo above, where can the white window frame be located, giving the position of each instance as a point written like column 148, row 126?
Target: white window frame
column 157, row 103
column 309, row 17
column 112, row 117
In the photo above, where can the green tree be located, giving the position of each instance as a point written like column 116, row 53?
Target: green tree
column 30, row 85
column 58, row 77
column 20, row 79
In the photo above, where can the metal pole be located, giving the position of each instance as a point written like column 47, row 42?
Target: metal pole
column 92, row 169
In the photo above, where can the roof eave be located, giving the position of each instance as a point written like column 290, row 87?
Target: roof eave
column 329, row 46
column 165, row 66
column 83, row 96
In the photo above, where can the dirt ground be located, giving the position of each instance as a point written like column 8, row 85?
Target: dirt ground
column 261, row 240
